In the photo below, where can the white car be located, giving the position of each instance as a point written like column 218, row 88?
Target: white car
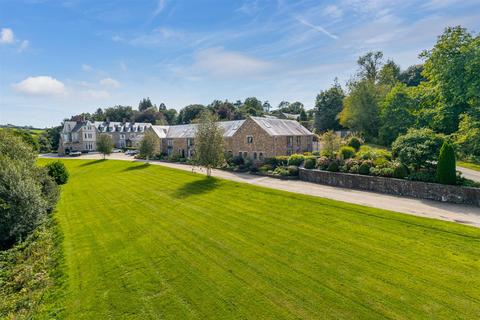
column 75, row 154
column 131, row 152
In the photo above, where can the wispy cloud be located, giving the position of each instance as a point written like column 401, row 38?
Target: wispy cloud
column 317, row 28
column 160, row 6
column 249, row 7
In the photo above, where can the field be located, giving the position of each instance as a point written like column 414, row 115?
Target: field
column 146, row 242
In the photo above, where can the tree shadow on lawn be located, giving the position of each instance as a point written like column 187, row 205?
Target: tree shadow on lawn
column 140, row 167
column 89, row 163
column 196, row 187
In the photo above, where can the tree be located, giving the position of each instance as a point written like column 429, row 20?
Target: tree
column 418, row 148
column 104, row 144
column 303, row 115
column 223, row 109
column 446, row 166
column 328, row 106
column 370, row 65
column 361, row 109
column 27, row 193
column 119, row 113
column 162, row 107
column 27, row 137
column 451, row 68
column 252, row 106
column 148, row 145
column 397, row 114
column 330, row 143
column 467, row 138
column 209, row 150
column 190, row 113
column 389, row 74
column 170, row 116
column 145, row 104
column 267, row 107
column 412, row 76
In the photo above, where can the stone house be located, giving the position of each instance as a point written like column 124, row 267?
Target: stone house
column 255, row 138
column 82, row 135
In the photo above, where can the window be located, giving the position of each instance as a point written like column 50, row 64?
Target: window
column 190, row 142
column 299, row 140
column 290, row 140
column 249, row 139
column 240, row 154
column 170, row 142
column 245, row 155
column 254, row 156
column 260, row 156
column 85, row 135
column 122, row 136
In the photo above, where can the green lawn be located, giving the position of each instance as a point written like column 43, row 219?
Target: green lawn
column 469, row 165
column 148, row 242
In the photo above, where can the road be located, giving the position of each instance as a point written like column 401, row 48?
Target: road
column 469, row 173
column 464, row 214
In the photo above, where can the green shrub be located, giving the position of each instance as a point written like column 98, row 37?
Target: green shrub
column 355, row 143
column 347, row 152
column 425, row 175
column 446, row 166
column 58, row 172
column 364, row 168
column 418, row 148
column 369, row 153
column 400, row 171
column 323, row 163
column 382, row 172
column 310, row 163
column 236, row 161
column 277, row 161
column 333, row 166
column 296, row 160
column 354, row 169
column 293, row 170
column 281, row 171
column 265, row 168
column 316, row 153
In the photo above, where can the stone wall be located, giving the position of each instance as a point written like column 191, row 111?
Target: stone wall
column 416, row 189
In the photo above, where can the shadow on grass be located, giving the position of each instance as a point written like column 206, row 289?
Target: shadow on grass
column 140, row 167
column 196, row 187
column 89, row 163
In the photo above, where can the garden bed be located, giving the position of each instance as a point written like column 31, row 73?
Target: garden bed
column 264, row 174
column 400, row 187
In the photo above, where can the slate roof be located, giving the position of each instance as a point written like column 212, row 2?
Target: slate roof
column 111, row 126
column 281, row 127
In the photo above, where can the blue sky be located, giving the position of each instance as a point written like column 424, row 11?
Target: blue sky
column 59, row 58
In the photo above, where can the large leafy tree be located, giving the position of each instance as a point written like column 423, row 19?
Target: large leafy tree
column 252, row 106
column 397, row 114
column 370, row 65
column 361, row 108
column 209, row 150
column 328, row 106
column 412, row 76
column 389, row 74
column 119, row 113
column 145, row 104
column 451, row 68
column 190, row 113
column 467, row 137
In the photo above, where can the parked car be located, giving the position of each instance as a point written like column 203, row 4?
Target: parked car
column 131, row 152
column 117, row 150
column 75, row 154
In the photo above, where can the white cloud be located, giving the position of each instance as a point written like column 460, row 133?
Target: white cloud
column 23, row 45
column 333, row 11
column 41, row 86
column 95, row 94
column 86, row 67
column 6, row 36
column 110, row 83
column 217, row 61
column 317, row 28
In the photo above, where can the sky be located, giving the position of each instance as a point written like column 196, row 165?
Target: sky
column 63, row 57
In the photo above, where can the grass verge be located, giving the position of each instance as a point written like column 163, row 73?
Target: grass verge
column 469, row 165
